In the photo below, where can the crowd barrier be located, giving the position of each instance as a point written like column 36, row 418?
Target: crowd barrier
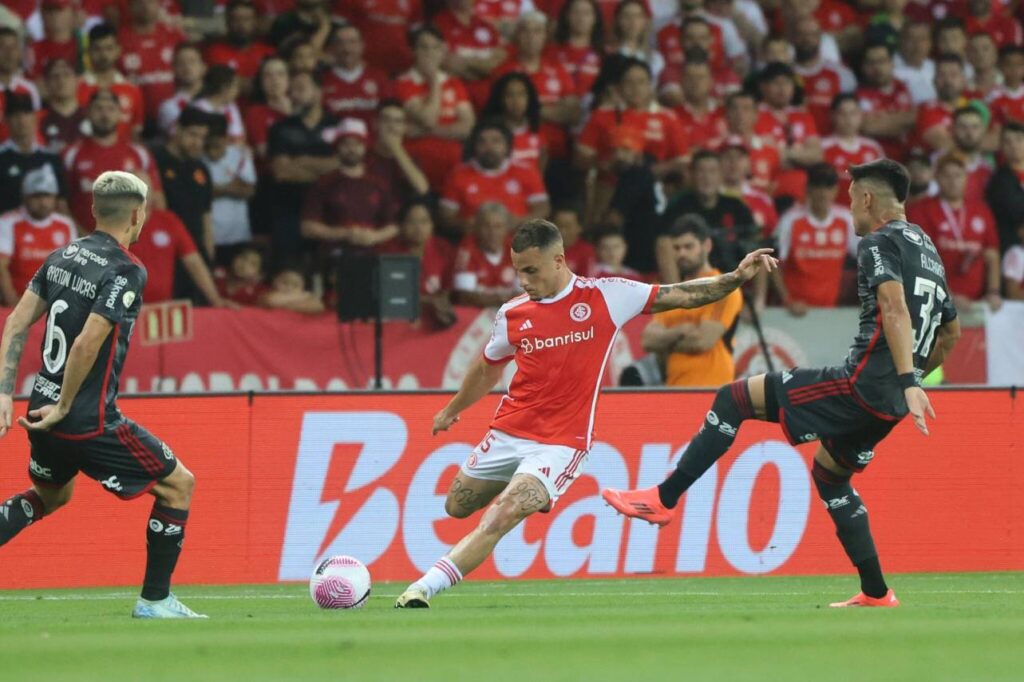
column 286, row 479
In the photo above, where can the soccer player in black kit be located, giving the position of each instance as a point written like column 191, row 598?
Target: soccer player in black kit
column 91, row 293
column 907, row 326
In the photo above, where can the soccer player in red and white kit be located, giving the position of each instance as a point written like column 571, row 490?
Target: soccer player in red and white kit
column 560, row 333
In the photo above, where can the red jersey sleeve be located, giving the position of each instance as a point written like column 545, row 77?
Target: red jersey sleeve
column 184, row 245
column 451, row 195
column 533, row 185
column 593, row 133
column 676, row 140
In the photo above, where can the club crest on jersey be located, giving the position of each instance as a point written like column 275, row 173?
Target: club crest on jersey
column 70, row 251
column 580, row 312
column 911, row 236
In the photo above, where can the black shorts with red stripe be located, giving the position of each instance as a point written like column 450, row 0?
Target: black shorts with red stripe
column 125, row 459
column 821, row 404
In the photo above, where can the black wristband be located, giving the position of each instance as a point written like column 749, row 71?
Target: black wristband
column 908, row 380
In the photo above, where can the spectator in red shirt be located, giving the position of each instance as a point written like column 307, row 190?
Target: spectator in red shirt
column 632, row 30
column 101, row 151
column 389, row 160
column 11, row 79
column 490, row 176
column 104, row 50
column 348, row 208
column 288, row 292
column 515, row 103
column 352, row 89
column 964, row 233
column 969, row 126
column 189, row 72
column 701, row 115
column 846, row 146
column 611, row 256
column 242, row 283
column 935, row 119
column 560, row 106
column 790, row 126
column 1007, row 101
column 269, row 104
column 240, row 48
column 579, row 253
column 475, row 48
column 983, row 57
column 982, row 17
column 58, row 41
column 484, row 274
column 147, row 50
column 736, row 182
column 765, row 160
column 384, row 24
column 438, row 106
column 302, row 56
column 416, row 238
column 29, row 234
column 579, row 43
column 821, row 80
column 888, row 109
column 61, row 119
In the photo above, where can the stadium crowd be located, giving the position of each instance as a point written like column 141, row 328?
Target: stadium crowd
column 664, row 138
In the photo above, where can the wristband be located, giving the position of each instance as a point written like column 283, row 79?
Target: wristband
column 908, row 380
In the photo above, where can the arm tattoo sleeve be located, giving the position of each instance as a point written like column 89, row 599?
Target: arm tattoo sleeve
column 11, row 361
column 695, row 292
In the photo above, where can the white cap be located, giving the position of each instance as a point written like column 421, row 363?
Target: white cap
column 352, row 127
column 39, row 181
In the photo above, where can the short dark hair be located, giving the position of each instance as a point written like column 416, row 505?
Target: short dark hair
column 609, row 232
column 838, row 100
column 689, row 223
column 822, row 175
column 8, row 32
column 191, row 116
column 536, row 232
column 1012, row 126
column 948, row 24
column 101, row 31
column 218, row 125
column 236, row 4
column 490, row 123
column 1010, row 50
column 390, row 103
column 887, row 172
column 18, row 103
column 634, row 63
column 408, row 206
column 880, row 43
column 186, row 45
column 949, row 58
column 103, row 93
column 702, row 155
column 418, row 32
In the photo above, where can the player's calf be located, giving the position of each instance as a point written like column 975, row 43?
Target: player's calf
column 28, row 507
column 165, row 531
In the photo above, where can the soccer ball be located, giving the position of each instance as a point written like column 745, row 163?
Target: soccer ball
column 340, row 582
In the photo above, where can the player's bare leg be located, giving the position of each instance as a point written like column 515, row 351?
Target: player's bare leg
column 24, row 509
column 734, row 403
column 467, row 495
column 165, row 533
column 523, row 496
column 850, row 517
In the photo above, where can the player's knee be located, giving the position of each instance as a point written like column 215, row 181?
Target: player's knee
column 176, row 490
column 455, row 509
column 502, row 517
column 54, row 498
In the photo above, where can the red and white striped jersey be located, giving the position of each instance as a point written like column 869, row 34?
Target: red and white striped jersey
column 561, row 347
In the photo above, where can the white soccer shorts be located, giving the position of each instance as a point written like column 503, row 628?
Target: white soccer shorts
column 500, row 456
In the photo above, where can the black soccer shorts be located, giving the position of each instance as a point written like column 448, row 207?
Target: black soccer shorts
column 820, row 404
column 125, row 459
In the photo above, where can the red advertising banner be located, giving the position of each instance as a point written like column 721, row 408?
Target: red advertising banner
column 285, row 480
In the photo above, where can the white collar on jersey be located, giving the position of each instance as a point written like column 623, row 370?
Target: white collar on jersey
column 561, row 294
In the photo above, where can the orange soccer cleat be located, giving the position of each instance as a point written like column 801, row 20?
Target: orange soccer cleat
column 889, row 601
column 639, row 504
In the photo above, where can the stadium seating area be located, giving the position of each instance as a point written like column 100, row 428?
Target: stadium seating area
column 283, row 138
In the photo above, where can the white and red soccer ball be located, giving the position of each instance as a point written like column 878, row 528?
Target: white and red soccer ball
column 340, row 582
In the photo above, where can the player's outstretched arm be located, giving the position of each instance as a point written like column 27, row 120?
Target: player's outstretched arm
column 697, row 292
column 29, row 309
column 480, row 379
column 899, row 334
column 81, row 358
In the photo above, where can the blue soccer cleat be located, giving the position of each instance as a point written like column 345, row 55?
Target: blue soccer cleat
column 165, row 608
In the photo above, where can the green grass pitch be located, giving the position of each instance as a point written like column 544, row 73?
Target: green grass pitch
column 961, row 627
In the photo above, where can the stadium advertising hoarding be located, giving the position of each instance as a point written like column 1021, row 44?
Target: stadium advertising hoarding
column 285, row 480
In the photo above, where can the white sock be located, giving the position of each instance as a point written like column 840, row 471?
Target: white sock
column 440, row 577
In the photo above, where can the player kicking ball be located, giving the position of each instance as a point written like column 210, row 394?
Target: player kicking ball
column 91, row 292
column 907, row 326
column 560, row 333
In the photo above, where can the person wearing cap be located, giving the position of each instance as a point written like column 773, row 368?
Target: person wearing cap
column 186, row 179
column 22, row 153
column 348, row 210
column 559, row 103
column 62, row 117
column 58, row 41
column 964, row 232
column 102, row 150
column 970, row 124
column 30, row 233
column 490, row 176
column 352, row 88
column 814, row 239
column 694, row 345
column 104, row 51
column 846, row 147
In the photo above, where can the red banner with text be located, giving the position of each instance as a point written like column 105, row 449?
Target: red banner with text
column 286, row 480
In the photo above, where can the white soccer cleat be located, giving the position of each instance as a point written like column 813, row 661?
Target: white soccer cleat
column 413, row 598
column 165, row 608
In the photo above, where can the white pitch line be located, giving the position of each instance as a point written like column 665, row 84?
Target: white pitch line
column 238, row 597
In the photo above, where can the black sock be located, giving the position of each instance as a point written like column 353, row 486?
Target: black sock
column 732, row 405
column 19, row 512
column 165, row 532
column 851, row 519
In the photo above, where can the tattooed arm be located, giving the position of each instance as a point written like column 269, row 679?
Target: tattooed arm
column 697, row 292
column 29, row 309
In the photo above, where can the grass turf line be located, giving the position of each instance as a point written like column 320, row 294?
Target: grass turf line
column 959, row 627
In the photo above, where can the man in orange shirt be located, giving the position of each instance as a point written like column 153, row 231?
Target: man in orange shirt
column 696, row 342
